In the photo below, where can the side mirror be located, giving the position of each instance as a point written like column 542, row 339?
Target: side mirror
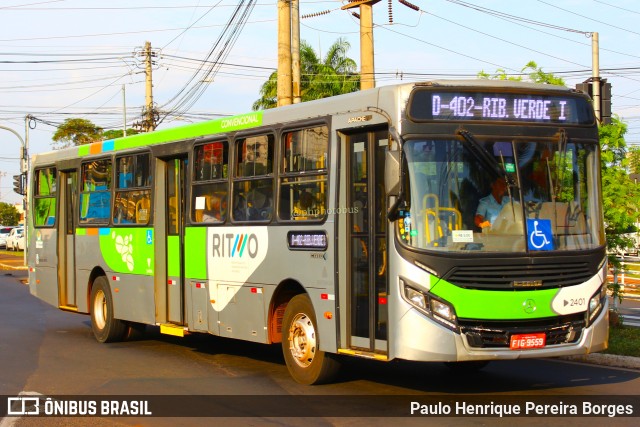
column 392, row 173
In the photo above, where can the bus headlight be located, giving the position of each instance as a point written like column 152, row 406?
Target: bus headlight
column 415, row 297
column 597, row 302
column 434, row 307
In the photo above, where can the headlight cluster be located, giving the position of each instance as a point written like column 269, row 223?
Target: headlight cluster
column 596, row 303
column 436, row 308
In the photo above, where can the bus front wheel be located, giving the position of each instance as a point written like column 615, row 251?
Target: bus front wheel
column 105, row 327
column 307, row 364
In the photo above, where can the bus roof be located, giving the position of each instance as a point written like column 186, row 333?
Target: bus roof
column 356, row 101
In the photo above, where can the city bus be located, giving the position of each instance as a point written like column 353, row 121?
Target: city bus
column 441, row 221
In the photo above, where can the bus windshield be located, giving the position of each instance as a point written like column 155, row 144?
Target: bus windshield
column 501, row 195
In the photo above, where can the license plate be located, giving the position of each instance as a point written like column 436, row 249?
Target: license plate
column 527, row 341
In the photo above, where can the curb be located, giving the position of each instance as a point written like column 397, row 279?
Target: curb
column 612, row 360
column 13, row 267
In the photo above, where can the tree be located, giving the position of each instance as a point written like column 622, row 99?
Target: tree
column 334, row 75
column 620, row 193
column 535, row 73
column 9, row 215
column 76, row 132
column 117, row 133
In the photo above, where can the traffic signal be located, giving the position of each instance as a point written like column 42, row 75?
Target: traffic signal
column 605, row 102
column 605, row 98
column 19, row 184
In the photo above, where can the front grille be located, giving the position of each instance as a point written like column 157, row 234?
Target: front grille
column 497, row 334
column 504, row 276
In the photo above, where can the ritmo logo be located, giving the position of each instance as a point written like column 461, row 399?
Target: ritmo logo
column 230, row 245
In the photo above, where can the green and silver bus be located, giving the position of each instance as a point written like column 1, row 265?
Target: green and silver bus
column 365, row 225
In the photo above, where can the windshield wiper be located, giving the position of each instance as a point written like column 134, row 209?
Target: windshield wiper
column 487, row 160
column 490, row 163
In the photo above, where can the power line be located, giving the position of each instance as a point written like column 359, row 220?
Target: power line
column 586, row 17
column 515, row 18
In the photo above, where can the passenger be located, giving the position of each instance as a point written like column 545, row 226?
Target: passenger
column 490, row 206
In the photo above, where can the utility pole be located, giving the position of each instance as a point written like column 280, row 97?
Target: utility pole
column 150, row 123
column 284, row 53
column 295, row 49
column 595, row 65
column 124, row 111
column 367, row 68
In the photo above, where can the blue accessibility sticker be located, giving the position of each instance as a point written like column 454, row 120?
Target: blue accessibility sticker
column 539, row 235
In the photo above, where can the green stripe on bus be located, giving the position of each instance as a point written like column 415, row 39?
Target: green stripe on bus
column 195, row 252
column 173, row 256
column 128, row 250
column 83, row 150
column 496, row 305
column 213, row 127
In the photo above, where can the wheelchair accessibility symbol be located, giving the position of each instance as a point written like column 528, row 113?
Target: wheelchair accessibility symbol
column 539, row 235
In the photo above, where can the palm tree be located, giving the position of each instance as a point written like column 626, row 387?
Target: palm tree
column 334, row 75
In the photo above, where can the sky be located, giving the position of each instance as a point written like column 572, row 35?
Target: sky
column 63, row 59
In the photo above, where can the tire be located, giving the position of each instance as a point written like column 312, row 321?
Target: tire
column 307, row 364
column 105, row 327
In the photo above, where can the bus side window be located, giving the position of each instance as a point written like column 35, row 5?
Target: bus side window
column 303, row 179
column 44, row 209
column 95, row 198
column 132, row 203
column 253, row 184
column 210, row 183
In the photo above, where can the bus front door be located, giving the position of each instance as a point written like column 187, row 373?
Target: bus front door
column 66, row 240
column 175, row 211
column 366, row 225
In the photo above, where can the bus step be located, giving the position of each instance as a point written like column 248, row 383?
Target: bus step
column 170, row 329
column 365, row 354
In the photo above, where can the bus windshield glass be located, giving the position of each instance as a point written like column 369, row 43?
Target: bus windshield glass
column 501, row 195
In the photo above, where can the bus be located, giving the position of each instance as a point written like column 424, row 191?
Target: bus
column 357, row 225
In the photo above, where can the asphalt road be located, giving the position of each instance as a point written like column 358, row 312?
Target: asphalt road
column 47, row 352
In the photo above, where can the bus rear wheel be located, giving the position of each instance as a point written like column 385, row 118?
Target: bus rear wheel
column 307, row 364
column 105, row 327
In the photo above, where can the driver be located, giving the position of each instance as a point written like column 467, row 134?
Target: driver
column 490, row 206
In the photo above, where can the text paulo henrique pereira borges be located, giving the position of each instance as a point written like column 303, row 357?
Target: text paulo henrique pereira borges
column 462, row 408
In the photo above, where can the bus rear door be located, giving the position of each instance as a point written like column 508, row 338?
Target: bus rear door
column 170, row 202
column 66, row 240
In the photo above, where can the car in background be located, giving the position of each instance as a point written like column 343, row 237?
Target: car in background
column 15, row 240
column 4, row 233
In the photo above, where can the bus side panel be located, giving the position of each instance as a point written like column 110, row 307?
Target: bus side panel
column 242, row 312
column 133, row 294
column 313, row 269
column 133, row 297
column 198, row 305
column 243, row 279
column 43, row 282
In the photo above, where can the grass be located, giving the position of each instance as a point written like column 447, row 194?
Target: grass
column 624, row 341
column 14, row 253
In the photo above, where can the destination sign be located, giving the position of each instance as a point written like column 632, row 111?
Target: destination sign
column 316, row 240
column 515, row 107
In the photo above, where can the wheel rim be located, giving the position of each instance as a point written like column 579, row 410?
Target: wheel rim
column 302, row 340
column 100, row 309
